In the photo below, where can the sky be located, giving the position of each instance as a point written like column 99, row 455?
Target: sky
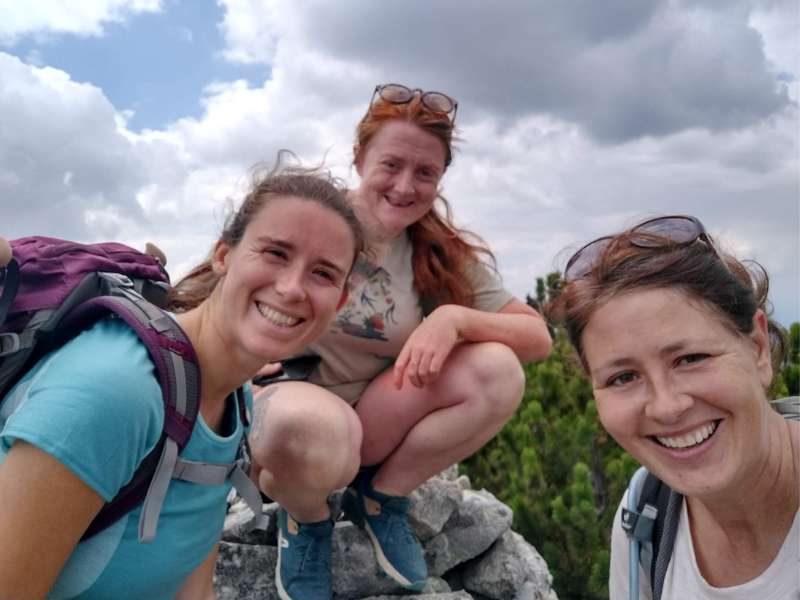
column 139, row 120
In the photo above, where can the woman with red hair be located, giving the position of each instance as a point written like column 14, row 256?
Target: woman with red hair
column 419, row 370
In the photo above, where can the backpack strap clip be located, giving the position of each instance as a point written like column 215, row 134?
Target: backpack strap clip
column 9, row 343
column 639, row 525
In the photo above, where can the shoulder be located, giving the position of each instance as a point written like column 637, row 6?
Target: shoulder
column 489, row 294
column 93, row 404
column 108, row 363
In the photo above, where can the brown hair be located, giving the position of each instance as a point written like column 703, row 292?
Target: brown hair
column 442, row 252
column 309, row 184
column 731, row 289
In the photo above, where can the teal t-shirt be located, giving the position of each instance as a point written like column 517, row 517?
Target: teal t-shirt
column 96, row 406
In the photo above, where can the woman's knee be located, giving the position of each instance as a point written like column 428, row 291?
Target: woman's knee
column 301, row 431
column 494, row 376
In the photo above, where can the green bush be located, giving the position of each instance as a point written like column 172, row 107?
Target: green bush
column 559, row 471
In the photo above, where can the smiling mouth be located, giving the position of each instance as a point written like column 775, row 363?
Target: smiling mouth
column 690, row 439
column 276, row 317
column 397, row 204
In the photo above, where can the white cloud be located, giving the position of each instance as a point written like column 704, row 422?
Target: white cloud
column 532, row 174
column 251, row 29
column 86, row 17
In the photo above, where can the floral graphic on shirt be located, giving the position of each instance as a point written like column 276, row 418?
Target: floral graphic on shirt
column 370, row 306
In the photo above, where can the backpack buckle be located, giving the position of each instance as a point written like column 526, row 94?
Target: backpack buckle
column 9, row 343
column 640, row 525
column 117, row 279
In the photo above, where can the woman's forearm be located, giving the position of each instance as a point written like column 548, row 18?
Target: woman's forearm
column 516, row 325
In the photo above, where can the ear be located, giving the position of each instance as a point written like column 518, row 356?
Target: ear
column 760, row 337
column 220, row 257
column 345, row 296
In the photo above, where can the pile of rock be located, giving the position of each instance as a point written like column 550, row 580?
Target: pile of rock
column 470, row 549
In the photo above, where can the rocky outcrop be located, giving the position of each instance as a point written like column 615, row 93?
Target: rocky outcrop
column 469, row 547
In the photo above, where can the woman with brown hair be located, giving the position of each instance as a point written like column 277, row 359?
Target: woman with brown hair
column 79, row 423
column 419, row 370
column 677, row 344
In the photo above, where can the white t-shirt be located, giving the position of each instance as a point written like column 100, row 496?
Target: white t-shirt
column 683, row 581
column 381, row 312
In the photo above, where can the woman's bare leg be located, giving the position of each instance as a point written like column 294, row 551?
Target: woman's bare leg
column 305, row 443
column 418, row 432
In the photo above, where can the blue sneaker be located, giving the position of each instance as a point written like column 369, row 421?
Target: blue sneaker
column 303, row 571
column 385, row 519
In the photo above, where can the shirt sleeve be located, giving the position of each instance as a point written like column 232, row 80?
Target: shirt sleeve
column 489, row 294
column 618, row 577
column 94, row 404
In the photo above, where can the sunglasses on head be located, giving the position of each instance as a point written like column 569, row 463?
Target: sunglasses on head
column 655, row 233
column 396, row 93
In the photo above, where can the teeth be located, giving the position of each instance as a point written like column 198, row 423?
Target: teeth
column 689, row 439
column 398, row 203
column 275, row 317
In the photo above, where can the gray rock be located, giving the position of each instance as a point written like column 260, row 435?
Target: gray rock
column 456, row 525
column 464, row 483
column 237, row 525
column 449, row 474
column 245, row 572
column 436, row 585
column 478, row 521
column 355, row 570
column 512, row 568
column 432, row 505
column 446, row 596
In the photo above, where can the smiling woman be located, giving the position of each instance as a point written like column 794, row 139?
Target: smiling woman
column 81, row 421
column 420, row 368
column 680, row 352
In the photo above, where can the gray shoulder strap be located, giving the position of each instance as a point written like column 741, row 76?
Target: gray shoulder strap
column 216, row 474
column 672, row 516
column 788, row 407
column 639, row 529
column 157, row 491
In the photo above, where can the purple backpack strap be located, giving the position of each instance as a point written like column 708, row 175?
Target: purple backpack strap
column 10, row 282
column 179, row 378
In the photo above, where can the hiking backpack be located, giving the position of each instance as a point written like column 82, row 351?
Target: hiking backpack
column 52, row 290
column 652, row 514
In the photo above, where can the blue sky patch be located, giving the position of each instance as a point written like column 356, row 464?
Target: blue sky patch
column 155, row 64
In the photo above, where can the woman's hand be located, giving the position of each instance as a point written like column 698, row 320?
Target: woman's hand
column 425, row 351
column 516, row 325
column 265, row 371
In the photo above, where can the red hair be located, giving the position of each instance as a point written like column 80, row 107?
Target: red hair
column 442, row 252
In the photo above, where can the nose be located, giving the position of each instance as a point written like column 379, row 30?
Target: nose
column 665, row 403
column 404, row 183
column 289, row 284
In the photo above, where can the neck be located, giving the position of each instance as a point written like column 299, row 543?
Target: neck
column 219, row 376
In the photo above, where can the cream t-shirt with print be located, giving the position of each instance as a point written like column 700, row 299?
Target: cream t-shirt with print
column 381, row 312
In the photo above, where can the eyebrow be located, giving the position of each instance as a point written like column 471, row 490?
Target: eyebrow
column 624, row 361
column 289, row 246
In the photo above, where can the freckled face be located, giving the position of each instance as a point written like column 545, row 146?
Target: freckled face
column 400, row 171
column 284, row 281
column 679, row 390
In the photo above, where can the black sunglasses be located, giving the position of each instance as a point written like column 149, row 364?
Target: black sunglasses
column 655, row 233
column 396, row 93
